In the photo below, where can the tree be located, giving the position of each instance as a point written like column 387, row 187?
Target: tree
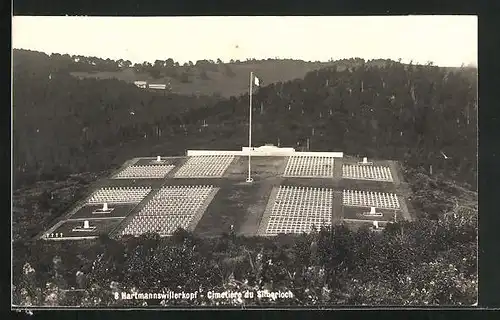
column 138, row 67
column 159, row 64
column 29, row 293
column 169, row 63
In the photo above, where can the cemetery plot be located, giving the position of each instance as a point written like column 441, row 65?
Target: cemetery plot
column 97, row 212
column 204, row 166
column 297, row 209
column 380, row 200
column 364, row 213
column 137, row 172
column 309, row 166
column 163, row 225
column 366, row 172
column 76, row 228
column 119, row 195
column 170, row 208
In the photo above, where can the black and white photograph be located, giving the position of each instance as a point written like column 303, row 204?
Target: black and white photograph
column 244, row 162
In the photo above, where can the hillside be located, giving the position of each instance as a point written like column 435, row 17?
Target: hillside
column 66, row 130
column 204, row 77
column 391, row 111
column 217, row 82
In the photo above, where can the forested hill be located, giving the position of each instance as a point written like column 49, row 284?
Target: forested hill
column 63, row 124
column 69, row 129
column 421, row 115
column 203, row 77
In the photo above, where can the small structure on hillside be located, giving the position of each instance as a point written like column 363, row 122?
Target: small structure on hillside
column 141, row 84
column 157, row 86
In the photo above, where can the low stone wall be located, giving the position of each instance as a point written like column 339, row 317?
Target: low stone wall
column 263, row 153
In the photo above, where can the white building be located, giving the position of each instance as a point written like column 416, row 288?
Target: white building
column 141, row 84
column 157, row 86
column 266, row 151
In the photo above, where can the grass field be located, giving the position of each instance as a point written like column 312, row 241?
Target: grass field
column 241, row 204
column 337, row 207
column 198, row 214
column 268, row 71
column 255, row 210
column 262, row 167
column 228, row 208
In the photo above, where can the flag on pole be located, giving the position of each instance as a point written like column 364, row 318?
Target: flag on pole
column 256, row 81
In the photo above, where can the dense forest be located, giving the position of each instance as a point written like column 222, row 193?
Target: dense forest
column 409, row 113
column 68, row 131
column 62, row 124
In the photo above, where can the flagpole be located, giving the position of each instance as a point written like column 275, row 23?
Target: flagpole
column 249, row 179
